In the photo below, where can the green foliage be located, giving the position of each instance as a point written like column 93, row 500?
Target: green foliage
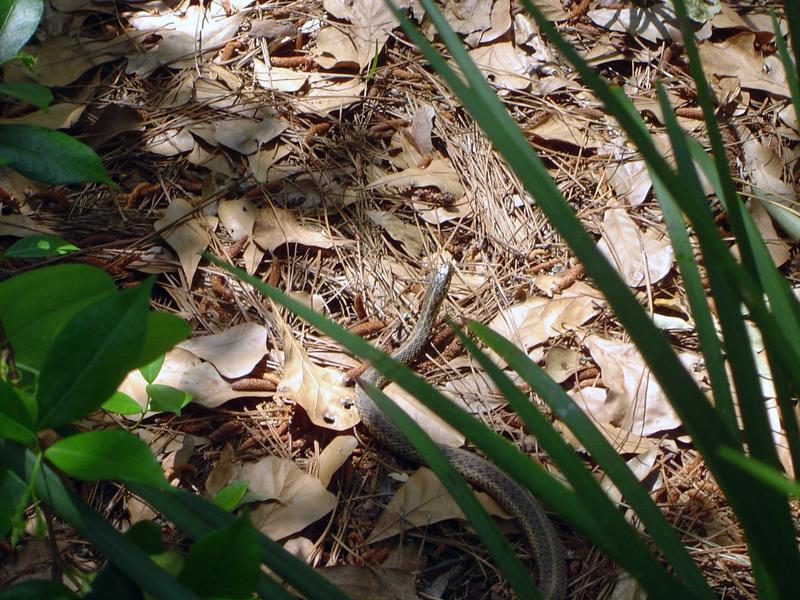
column 106, row 454
column 224, row 563
column 229, row 497
column 37, row 152
column 73, row 337
column 18, row 22
column 32, row 93
column 39, row 246
column 50, row 156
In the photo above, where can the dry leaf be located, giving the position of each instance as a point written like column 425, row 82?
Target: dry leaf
column 318, row 390
column 564, row 128
column 653, row 23
column 334, row 456
column 630, row 180
column 58, row 116
column 188, row 239
column 408, row 235
column 277, row 226
column 278, row 78
column 561, row 363
column 500, row 19
column 421, row 129
column 182, row 36
column 737, row 57
column 538, row 319
column 21, row 226
column 138, row 511
column 222, row 472
column 262, row 163
column 245, row 135
column 469, row 17
column 301, row 547
column 334, row 48
column 170, row 142
column 186, row 372
column 420, row 502
column 475, row 392
column 633, row 252
column 60, row 60
column 237, row 217
column 635, row 402
column 766, row 169
column 439, row 174
column 298, row 499
column 436, row 428
column 641, row 466
column 371, row 21
column 504, row 65
column 778, row 249
column 372, row 583
column 234, row 352
column 329, row 94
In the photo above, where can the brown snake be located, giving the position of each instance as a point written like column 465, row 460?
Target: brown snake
column 478, row 471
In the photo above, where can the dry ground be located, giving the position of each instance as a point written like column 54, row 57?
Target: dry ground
column 348, row 217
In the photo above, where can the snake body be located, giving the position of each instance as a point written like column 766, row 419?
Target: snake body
column 478, row 471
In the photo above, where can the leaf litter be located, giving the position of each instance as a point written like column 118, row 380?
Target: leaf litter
column 308, row 141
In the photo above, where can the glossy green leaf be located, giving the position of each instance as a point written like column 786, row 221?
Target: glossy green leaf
column 198, row 517
column 231, row 496
column 34, row 306
column 39, row 246
column 32, row 93
column 167, row 398
column 50, row 156
column 12, row 491
column 224, row 563
column 18, row 22
column 112, row 454
column 91, row 355
column 40, row 589
column 151, row 370
column 761, row 471
column 91, row 526
column 122, row 404
column 164, row 330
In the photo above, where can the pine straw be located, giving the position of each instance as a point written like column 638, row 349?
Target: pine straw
column 498, row 248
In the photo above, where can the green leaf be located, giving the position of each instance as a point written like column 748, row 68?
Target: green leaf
column 91, row 355
column 106, row 454
column 151, row 370
column 198, row 517
column 12, row 491
column 229, row 497
column 34, row 306
column 90, row 525
column 14, row 430
column 761, row 471
column 163, row 332
column 50, row 156
column 111, row 581
column 224, row 563
column 17, row 405
column 38, row 246
column 18, row 22
column 41, row 589
column 32, row 93
column 167, row 398
column 122, row 404
column 146, row 535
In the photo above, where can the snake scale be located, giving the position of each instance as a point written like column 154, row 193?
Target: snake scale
column 519, row 502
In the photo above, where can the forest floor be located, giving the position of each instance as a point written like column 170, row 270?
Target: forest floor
column 310, row 143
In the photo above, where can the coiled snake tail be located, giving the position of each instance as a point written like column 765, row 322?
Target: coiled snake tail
column 519, row 502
